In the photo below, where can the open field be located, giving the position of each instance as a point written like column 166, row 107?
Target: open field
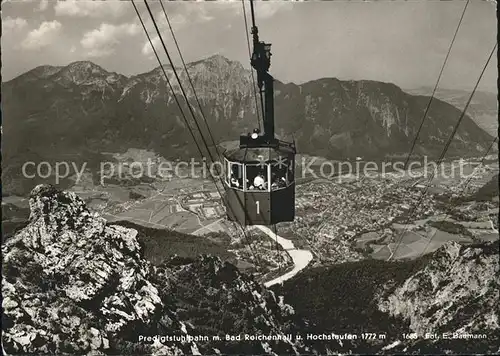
column 214, row 226
column 489, row 236
column 414, row 244
column 332, row 218
column 183, row 221
column 381, row 252
column 136, row 214
column 19, row 202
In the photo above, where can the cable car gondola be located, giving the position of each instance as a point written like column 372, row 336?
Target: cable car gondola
column 259, row 174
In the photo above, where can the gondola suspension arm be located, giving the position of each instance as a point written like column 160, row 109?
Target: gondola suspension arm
column 261, row 61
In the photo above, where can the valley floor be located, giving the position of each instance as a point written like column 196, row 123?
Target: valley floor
column 337, row 220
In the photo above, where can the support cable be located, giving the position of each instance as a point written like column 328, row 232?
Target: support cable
column 177, row 101
column 466, row 183
column 435, row 87
column 445, row 149
column 254, row 85
column 190, row 81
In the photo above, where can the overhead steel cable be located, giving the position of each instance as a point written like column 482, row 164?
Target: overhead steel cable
column 166, row 77
column 178, row 80
column 278, row 253
column 160, row 37
column 276, row 243
column 180, row 108
column 445, row 149
column 433, row 92
column 469, row 179
column 466, row 183
column 190, row 81
column 436, row 86
column 251, row 70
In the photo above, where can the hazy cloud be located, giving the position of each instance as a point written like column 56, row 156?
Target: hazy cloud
column 96, row 9
column 263, row 9
column 42, row 6
column 404, row 42
column 10, row 24
column 147, row 50
column 102, row 41
column 42, row 36
column 185, row 14
column 190, row 15
column 267, row 9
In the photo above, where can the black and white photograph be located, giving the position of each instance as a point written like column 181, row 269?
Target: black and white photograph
column 250, row 177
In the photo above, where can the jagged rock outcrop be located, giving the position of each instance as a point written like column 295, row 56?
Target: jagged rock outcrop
column 211, row 295
column 455, row 293
column 74, row 285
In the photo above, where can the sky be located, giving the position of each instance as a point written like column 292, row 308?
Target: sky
column 403, row 42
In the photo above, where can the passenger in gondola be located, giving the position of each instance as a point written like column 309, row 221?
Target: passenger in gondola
column 274, row 181
column 282, row 182
column 250, row 186
column 259, row 181
column 235, row 181
column 278, row 181
column 290, row 173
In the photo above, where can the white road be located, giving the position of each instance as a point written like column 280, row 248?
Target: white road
column 300, row 258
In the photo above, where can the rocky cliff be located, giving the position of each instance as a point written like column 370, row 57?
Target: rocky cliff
column 454, row 297
column 444, row 303
column 72, row 284
column 76, row 285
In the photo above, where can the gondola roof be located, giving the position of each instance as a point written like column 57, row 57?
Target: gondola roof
column 259, row 154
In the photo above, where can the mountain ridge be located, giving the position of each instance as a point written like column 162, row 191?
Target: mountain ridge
column 84, row 107
column 483, row 106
